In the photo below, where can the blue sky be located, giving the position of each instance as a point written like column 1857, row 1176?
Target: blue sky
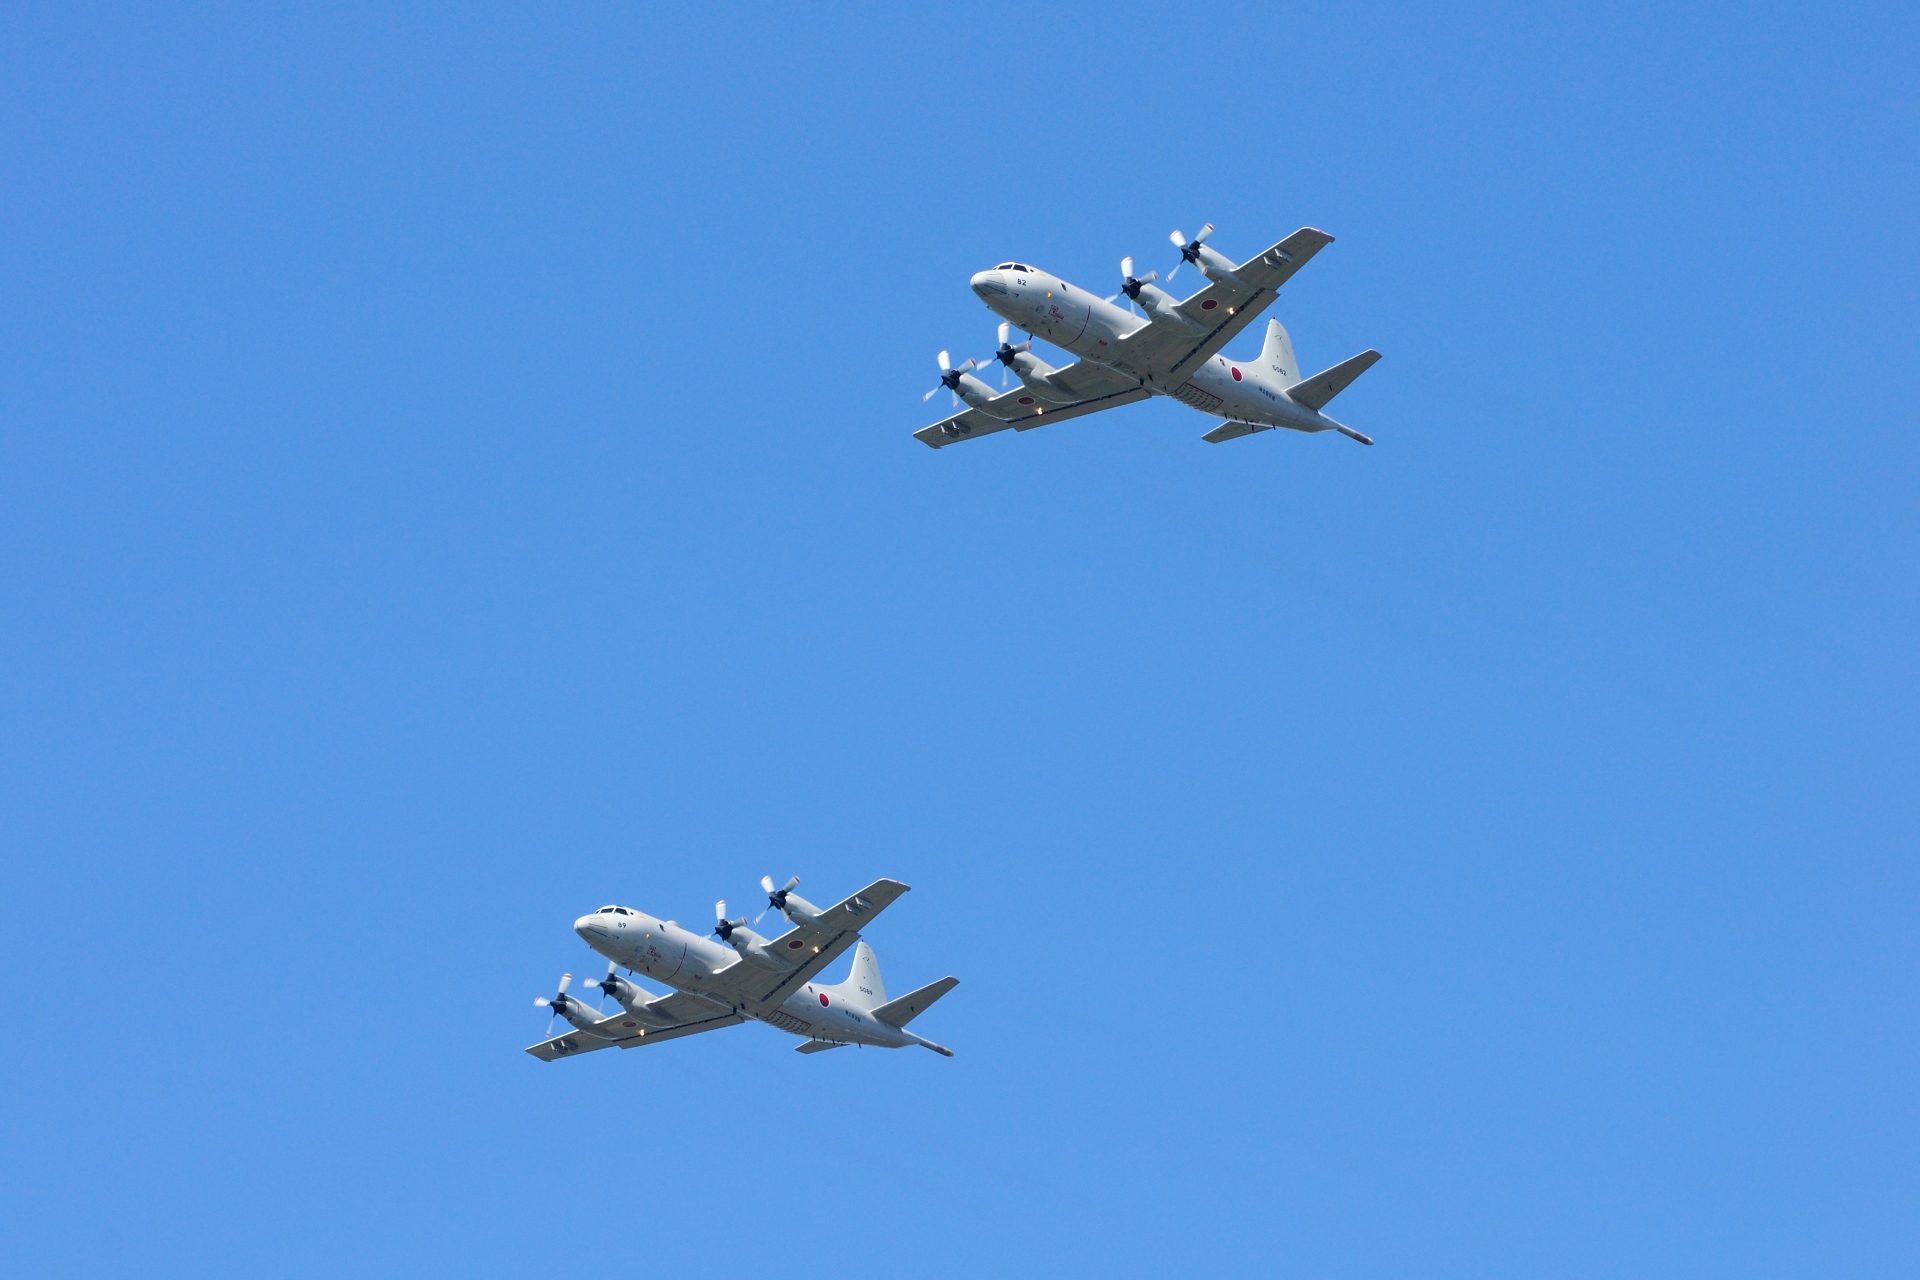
column 455, row 471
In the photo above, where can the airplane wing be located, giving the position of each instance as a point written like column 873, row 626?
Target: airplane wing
column 816, row 944
column 1080, row 387
column 1166, row 351
column 691, row 1014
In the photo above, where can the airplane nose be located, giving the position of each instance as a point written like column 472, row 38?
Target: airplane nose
column 981, row 280
column 580, row 925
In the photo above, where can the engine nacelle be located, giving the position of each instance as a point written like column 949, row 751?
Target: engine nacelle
column 635, row 1001
column 754, row 949
column 798, row 909
column 973, row 391
column 1215, row 265
column 583, row 1017
column 1162, row 305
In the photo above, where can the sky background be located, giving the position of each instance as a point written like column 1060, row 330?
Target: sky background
column 456, row 471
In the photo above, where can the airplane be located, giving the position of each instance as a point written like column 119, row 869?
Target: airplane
column 1174, row 350
column 743, row 976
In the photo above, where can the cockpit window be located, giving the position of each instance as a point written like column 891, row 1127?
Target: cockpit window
column 1013, row 266
column 606, row 911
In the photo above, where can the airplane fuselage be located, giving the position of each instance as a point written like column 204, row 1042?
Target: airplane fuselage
column 686, row 961
column 1092, row 328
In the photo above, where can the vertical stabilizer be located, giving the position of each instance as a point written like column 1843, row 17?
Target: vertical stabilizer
column 864, row 983
column 1276, row 358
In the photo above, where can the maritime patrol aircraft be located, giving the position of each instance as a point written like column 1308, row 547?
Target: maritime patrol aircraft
column 1174, row 350
column 743, row 976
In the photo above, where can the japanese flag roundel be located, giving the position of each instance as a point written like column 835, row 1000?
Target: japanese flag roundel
column 823, row 999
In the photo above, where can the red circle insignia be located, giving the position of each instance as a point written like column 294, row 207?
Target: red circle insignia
column 1236, row 375
column 1209, row 304
column 823, row 999
column 1026, row 399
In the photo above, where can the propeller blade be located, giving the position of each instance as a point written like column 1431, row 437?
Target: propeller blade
column 1179, row 241
column 720, row 910
column 1176, row 270
column 1200, row 236
column 603, row 983
column 566, row 980
column 944, row 366
column 1150, row 277
column 930, row 395
column 766, row 882
column 541, row 1002
column 1126, row 268
column 956, row 400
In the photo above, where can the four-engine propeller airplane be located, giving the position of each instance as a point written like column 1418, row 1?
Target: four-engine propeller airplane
column 743, row 976
column 1124, row 358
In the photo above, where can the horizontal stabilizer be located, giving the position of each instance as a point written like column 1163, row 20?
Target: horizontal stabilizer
column 1314, row 392
column 1233, row 431
column 898, row 1013
column 819, row 1046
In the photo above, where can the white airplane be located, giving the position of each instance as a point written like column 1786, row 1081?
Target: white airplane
column 716, row 985
column 1173, row 351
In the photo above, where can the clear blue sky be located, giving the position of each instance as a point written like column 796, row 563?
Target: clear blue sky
column 456, row 472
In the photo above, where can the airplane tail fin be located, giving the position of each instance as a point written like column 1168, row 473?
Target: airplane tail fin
column 864, row 983
column 1276, row 357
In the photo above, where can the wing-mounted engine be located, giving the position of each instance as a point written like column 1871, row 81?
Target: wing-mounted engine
column 959, row 380
column 752, row 947
column 1156, row 302
column 635, row 1000
column 581, row 1016
column 795, row 908
column 1211, row 263
column 1034, row 372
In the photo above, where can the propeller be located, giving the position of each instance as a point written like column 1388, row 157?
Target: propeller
column 1007, row 351
column 558, row 1002
column 723, row 928
column 776, row 898
column 1189, row 249
column 604, row 985
column 1130, row 286
column 950, row 378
